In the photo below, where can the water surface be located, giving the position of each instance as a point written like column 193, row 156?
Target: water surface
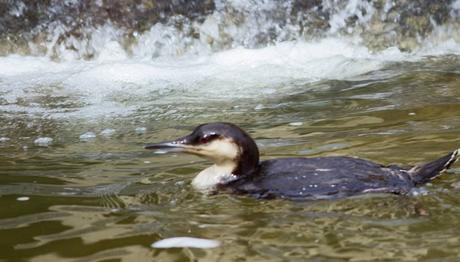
column 99, row 196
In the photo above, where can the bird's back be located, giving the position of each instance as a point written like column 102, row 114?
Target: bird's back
column 323, row 178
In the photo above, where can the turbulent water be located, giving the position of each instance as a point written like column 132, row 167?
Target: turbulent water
column 84, row 84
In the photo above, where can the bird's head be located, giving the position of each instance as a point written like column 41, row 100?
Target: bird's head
column 221, row 143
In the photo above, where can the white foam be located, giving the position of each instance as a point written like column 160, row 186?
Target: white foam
column 419, row 191
column 18, row 9
column 15, row 65
column 115, row 84
column 108, row 132
column 160, row 152
column 140, row 130
column 193, row 242
column 362, row 10
column 112, row 51
column 43, row 141
column 456, row 5
column 88, row 136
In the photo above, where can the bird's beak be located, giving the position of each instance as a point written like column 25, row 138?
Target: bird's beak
column 175, row 146
column 167, row 147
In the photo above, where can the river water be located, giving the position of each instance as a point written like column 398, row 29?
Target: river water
column 378, row 80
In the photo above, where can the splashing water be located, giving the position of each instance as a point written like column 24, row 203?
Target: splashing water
column 260, row 42
column 373, row 79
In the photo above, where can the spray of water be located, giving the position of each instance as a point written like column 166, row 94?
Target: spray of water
column 228, row 50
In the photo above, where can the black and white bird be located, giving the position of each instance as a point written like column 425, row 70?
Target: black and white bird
column 237, row 168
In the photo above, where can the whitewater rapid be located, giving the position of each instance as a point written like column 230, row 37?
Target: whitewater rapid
column 118, row 84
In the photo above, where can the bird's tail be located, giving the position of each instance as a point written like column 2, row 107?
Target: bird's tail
column 424, row 173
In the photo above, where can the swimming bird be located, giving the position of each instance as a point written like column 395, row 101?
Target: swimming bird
column 237, row 169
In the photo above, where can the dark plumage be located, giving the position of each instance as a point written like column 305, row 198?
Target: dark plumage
column 293, row 178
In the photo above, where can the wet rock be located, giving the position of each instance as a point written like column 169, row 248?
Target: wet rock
column 39, row 21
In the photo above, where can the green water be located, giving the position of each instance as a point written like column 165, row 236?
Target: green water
column 107, row 199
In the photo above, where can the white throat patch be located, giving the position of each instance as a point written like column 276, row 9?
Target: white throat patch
column 224, row 153
column 208, row 179
column 220, row 151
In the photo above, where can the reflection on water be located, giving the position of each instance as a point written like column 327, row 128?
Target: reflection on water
column 106, row 198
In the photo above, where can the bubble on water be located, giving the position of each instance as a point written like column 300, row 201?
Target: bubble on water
column 323, row 169
column 23, row 198
column 107, row 132
column 140, row 130
column 87, row 136
column 259, row 107
column 4, row 139
column 43, row 141
column 296, row 124
column 146, row 181
column 193, row 242
column 418, row 191
column 456, row 185
column 160, row 152
column 67, row 193
column 179, row 183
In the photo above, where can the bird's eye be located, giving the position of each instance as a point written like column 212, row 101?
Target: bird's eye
column 206, row 139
